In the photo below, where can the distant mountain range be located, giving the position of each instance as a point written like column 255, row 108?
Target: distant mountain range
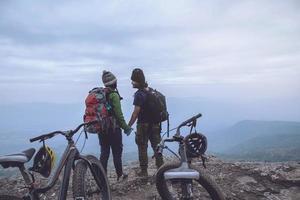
column 217, row 114
column 258, row 140
column 19, row 122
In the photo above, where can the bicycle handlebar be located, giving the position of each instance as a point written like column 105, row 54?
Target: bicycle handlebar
column 45, row 136
column 69, row 133
column 177, row 136
column 186, row 122
column 189, row 120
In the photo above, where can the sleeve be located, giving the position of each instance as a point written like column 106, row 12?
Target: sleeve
column 116, row 104
column 138, row 99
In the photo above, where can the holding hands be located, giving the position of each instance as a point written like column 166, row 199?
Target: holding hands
column 128, row 131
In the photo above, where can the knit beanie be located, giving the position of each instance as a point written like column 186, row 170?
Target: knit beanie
column 108, row 78
column 138, row 76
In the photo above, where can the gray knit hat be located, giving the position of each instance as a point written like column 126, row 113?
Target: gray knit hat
column 108, row 78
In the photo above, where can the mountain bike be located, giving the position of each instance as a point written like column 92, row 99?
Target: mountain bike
column 182, row 179
column 70, row 157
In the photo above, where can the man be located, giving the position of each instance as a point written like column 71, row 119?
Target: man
column 146, row 129
column 113, row 140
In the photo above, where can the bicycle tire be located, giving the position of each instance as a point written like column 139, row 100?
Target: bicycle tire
column 204, row 180
column 79, row 184
column 9, row 197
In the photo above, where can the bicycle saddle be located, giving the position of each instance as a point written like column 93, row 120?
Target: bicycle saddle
column 16, row 160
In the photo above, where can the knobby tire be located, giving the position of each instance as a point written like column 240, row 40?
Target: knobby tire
column 79, row 185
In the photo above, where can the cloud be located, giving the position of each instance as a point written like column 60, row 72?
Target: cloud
column 55, row 45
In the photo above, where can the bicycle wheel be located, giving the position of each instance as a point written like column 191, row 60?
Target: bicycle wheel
column 8, row 197
column 203, row 187
column 88, row 186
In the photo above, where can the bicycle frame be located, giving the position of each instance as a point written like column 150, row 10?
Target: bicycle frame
column 70, row 155
column 183, row 171
column 181, row 179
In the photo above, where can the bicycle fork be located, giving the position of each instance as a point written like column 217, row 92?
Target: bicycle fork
column 187, row 189
column 186, row 175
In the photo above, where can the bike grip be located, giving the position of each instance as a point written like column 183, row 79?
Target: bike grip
column 191, row 119
column 197, row 116
column 36, row 138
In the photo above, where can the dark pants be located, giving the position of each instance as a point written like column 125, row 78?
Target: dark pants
column 112, row 140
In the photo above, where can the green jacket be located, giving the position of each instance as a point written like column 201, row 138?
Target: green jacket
column 114, row 99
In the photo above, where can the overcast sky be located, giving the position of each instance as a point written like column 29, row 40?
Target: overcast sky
column 55, row 51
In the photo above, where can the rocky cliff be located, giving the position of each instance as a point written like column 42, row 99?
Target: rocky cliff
column 238, row 180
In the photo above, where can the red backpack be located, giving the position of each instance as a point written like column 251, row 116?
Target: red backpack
column 98, row 108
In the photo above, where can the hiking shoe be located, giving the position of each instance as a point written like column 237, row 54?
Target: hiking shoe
column 142, row 173
column 123, row 176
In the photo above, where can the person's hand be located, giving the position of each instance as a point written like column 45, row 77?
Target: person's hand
column 129, row 131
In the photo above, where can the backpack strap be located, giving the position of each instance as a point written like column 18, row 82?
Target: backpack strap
column 117, row 91
column 147, row 92
column 113, row 119
column 108, row 91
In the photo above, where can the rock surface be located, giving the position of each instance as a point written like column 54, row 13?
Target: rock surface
column 237, row 180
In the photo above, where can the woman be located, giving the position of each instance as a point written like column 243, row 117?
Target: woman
column 113, row 140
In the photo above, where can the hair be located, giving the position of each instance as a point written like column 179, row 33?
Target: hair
column 142, row 85
column 113, row 86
